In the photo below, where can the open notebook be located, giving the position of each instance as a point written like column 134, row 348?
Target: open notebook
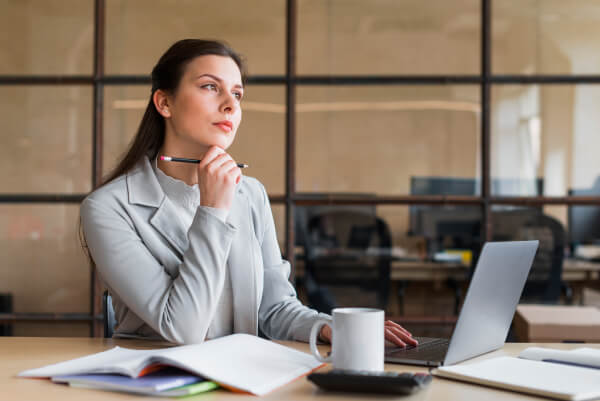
column 566, row 375
column 239, row 362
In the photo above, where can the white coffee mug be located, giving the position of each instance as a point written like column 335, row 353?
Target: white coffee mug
column 357, row 341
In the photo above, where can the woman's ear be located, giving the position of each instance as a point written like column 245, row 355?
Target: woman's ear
column 161, row 102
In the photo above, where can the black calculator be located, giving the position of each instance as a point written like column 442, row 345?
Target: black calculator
column 370, row 382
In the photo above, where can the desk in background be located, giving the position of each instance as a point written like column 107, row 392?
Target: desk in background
column 437, row 273
column 574, row 270
column 20, row 353
column 578, row 273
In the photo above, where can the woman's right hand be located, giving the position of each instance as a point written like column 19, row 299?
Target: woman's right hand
column 218, row 174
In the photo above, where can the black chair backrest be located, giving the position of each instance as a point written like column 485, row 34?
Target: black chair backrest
column 347, row 247
column 544, row 280
column 108, row 314
column 303, row 213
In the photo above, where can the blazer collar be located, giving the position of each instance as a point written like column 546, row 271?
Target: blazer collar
column 143, row 186
column 145, row 190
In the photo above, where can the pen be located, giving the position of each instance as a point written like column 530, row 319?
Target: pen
column 184, row 160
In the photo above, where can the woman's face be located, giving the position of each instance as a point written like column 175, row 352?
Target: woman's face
column 205, row 109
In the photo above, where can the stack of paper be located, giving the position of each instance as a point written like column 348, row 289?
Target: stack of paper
column 165, row 383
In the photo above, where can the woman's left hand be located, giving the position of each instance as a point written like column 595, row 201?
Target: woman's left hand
column 398, row 335
column 393, row 332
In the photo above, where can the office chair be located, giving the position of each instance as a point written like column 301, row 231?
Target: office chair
column 544, row 284
column 584, row 220
column 346, row 248
column 6, row 306
column 108, row 314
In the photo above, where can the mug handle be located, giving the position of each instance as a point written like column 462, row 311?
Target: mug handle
column 314, row 332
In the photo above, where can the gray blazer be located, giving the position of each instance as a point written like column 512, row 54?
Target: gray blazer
column 166, row 282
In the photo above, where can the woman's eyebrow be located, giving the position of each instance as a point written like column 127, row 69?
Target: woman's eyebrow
column 217, row 79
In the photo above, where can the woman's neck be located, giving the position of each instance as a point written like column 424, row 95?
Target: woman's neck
column 186, row 172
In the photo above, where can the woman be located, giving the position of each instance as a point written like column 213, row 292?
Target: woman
column 189, row 251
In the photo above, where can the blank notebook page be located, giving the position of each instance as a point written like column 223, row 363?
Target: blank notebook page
column 541, row 378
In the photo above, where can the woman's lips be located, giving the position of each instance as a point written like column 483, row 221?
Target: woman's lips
column 225, row 126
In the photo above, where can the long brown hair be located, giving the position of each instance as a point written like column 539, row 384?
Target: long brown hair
column 166, row 75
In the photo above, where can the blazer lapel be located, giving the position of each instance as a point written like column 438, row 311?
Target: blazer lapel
column 144, row 189
column 241, row 268
column 163, row 220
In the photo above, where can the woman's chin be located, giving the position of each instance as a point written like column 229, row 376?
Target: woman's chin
column 223, row 144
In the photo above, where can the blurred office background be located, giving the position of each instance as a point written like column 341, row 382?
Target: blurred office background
column 393, row 136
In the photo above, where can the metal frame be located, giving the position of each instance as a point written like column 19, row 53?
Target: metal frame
column 291, row 198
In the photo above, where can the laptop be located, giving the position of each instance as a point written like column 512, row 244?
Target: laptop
column 487, row 312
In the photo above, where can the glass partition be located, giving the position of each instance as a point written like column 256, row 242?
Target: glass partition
column 544, row 139
column 44, row 266
column 47, row 37
column 384, row 140
column 138, row 32
column 545, row 37
column 355, row 37
column 45, row 146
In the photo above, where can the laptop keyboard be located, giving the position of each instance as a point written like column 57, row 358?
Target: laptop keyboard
column 428, row 349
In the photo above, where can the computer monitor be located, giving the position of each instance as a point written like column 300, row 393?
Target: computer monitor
column 459, row 225
column 443, row 186
column 423, row 218
column 472, row 186
column 450, row 227
column 516, row 186
column 584, row 220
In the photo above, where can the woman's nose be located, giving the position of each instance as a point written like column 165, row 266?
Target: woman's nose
column 229, row 104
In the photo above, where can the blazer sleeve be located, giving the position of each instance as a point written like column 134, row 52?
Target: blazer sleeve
column 281, row 315
column 179, row 309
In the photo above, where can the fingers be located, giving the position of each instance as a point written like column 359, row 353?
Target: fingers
column 398, row 334
column 218, row 175
column 235, row 172
column 219, row 163
column 401, row 335
column 389, row 323
column 326, row 333
column 209, row 156
column 220, row 160
column 393, row 338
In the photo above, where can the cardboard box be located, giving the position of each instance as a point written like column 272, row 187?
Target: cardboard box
column 554, row 323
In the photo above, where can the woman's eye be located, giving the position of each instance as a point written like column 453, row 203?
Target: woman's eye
column 210, row 86
column 238, row 95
